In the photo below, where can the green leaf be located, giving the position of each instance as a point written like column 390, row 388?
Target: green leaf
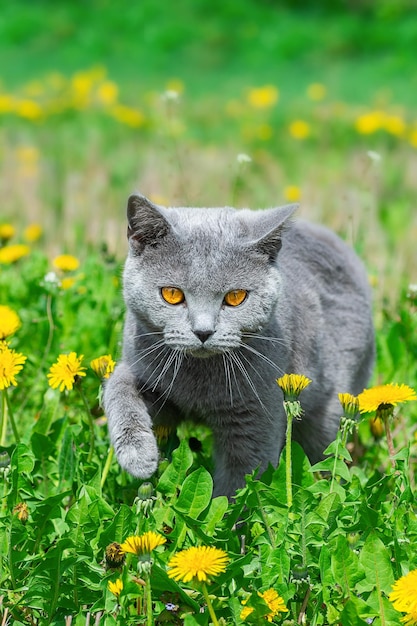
column 195, row 493
column 345, row 566
column 174, row 475
column 376, row 561
column 66, row 459
column 22, row 464
column 215, row 514
column 350, row 615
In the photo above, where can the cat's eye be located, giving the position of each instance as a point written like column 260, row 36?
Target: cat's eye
column 235, row 297
column 172, row 295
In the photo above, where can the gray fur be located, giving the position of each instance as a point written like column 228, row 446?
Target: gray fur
column 308, row 312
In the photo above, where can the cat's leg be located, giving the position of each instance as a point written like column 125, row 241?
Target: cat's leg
column 249, row 443
column 129, row 423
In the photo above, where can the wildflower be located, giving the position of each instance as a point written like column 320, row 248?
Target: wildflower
column 67, row 282
column 103, row 366
column 350, row 404
column 66, row 263
column 128, row 115
column 292, row 385
column 142, row 545
column 316, row 92
column 292, row 193
column 108, row 92
column 263, row 97
column 116, row 587
column 299, row 129
column 197, row 563
column 64, row 372
column 11, row 363
column 12, row 253
column 246, row 611
column 404, row 597
column 9, row 322
column 369, row 123
column 32, row 233
column 394, row 125
column 413, row 138
column 243, row 158
column 28, row 109
column 22, row 512
column 385, row 397
column 7, row 231
column 275, row 603
column 376, row 426
column 114, row 555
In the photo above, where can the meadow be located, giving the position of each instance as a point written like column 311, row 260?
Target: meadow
column 81, row 541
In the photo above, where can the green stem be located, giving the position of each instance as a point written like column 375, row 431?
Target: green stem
column 3, row 425
column 107, row 466
column 90, row 423
column 389, row 440
column 209, row 605
column 336, row 456
column 148, row 599
column 288, row 467
column 12, row 420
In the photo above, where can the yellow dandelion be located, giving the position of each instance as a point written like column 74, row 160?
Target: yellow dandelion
column 404, row 597
column 32, row 233
column 413, row 138
column 394, row 125
column 65, row 371
column 12, row 253
column 22, row 512
column 350, row 404
column 292, row 385
column 292, row 193
column 11, row 363
column 7, row 231
column 299, row 129
column 9, row 322
column 103, row 365
column 384, row 397
column 116, row 587
column 128, row 115
column 275, row 603
column 67, row 282
column 143, row 544
column 108, row 92
column 114, row 555
column 245, row 612
column 316, row 92
column 28, row 109
column 263, row 97
column 369, row 123
column 197, row 563
column 66, row 263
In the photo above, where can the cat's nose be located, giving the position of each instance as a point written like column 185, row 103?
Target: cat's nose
column 203, row 335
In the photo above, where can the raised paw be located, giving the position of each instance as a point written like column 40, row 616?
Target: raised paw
column 139, row 455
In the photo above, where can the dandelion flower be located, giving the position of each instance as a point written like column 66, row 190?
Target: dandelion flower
column 64, row 372
column 292, row 193
column 263, row 97
column 11, row 363
column 7, row 231
column 197, row 563
column 9, row 322
column 103, row 366
column 115, row 587
column 404, row 597
column 384, row 397
column 143, row 544
column 245, row 612
column 32, row 233
column 292, row 385
column 12, row 253
column 275, row 603
column 114, row 555
column 66, row 263
column 299, row 129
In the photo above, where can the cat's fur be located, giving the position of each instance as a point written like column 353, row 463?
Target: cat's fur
column 308, row 311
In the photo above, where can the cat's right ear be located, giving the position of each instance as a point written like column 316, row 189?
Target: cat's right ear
column 146, row 225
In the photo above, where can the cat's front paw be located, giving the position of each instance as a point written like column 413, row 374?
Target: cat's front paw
column 139, row 456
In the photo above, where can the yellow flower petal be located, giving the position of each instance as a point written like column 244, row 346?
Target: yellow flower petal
column 384, row 396
column 197, row 563
column 63, row 373
column 11, row 363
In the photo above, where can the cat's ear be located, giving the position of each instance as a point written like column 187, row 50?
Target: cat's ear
column 268, row 227
column 146, row 225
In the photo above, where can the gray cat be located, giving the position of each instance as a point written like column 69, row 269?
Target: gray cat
column 221, row 302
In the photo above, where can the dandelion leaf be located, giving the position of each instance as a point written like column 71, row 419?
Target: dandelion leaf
column 176, row 472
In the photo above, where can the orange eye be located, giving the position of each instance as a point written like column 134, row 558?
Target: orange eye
column 172, row 295
column 235, row 297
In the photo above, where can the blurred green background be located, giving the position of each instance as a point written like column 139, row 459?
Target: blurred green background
column 101, row 98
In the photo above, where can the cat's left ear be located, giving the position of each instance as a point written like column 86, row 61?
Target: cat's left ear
column 146, row 223
column 268, row 227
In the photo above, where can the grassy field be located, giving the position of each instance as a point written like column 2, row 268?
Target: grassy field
column 208, row 104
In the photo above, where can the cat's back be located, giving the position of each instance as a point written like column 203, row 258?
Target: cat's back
column 312, row 253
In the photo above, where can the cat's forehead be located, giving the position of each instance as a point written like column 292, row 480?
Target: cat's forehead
column 211, row 223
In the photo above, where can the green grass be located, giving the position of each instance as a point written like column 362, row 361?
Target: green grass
column 336, row 553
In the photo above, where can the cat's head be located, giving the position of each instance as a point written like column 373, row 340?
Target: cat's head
column 204, row 278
